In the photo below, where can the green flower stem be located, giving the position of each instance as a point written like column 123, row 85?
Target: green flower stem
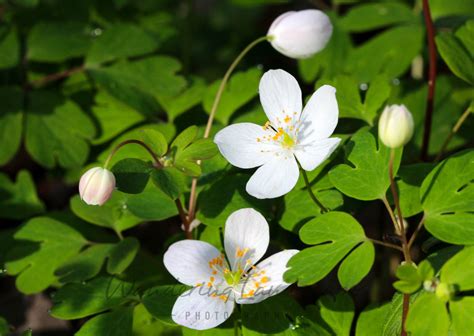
column 157, row 162
column 215, row 104
column 456, row 128
column 378, row 242
column 310, row 191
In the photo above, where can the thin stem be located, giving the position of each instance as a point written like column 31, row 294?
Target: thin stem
column 417, row 230
column 431, row 79
column 390, row 212
column 456, row 128
column 58, row 75
column 119, row 234
column 405, row 247
column 393, row 187
column 184, row 218
column 393, row 246
column 215, row 104
column 157, row 162
column 311, row 194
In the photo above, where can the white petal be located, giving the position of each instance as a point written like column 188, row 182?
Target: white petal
column 312, row 155
column 188, row 261
column 243, row 146
column 266, row 279
column 280, row 96
column 275, row 178
column 245, row 229
column 320, row 116
column 198, row 309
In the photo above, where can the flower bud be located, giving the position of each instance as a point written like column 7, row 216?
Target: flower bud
column 96, row 186
column 300, row 34
column 395, row 126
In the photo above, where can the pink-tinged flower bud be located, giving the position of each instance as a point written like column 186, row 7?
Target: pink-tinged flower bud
column 300, row 34
column 396, row 126
column 96, row 186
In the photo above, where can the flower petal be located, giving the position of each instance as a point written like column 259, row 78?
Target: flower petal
column 266, row 279
column 280, row 96
column 188, row 261
column 320, row 116
column 312, row 155
column 243, row 146
column 246, row 238
column 198, row 309
column 275, row 178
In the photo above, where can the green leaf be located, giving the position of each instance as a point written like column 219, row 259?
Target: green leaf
column 376, row 15
column 152, row 204
column 19, row 200
column 49, row 137
column 335, row 234
column 367, row 177
column 4, row 327
column 390, row 53
column 349, row 100
column 334, row 314
column 78, row 300
column 144, row 324
column 11, row 119
column 201, row 149
column 132, row 175
column 159, row 300
column 461, row 315
column 356, row 266
column 459, row 270
column 43, row 245
column 370, row 321
column 409, row 181
column 466, row 35
column 155, row 140
column 410, row 279
column 175, row 105
column 241, row 88
column 446, row 196
column 118, row 323
column 9, row 48
column 183, row 139
column 459, row 61
column 122, row 255
column 428, row 316
column 113, row 116
column 154, row 76
column 170, row 181
column 441, row 8
column 58, row 41
column 85, row 265
column 114, row 214
column 225, row 196
column 110, row 44
column 392, row 323
column 273, row 316
column 299, row 208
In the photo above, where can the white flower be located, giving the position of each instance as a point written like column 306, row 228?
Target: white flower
column 289, row 135
column 396, row 126
column 300, row 34
column 96, row 186
column 218, row 286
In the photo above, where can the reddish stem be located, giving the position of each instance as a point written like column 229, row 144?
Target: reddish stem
column 185, row 219
column 55, row 76
column 431, row 79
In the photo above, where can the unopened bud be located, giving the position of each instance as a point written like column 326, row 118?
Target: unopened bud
column 396, row 126
column 96, row 186
column 300, row 34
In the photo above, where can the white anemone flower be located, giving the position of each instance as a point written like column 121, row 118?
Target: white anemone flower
column 292, row 133
column 219, row 282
